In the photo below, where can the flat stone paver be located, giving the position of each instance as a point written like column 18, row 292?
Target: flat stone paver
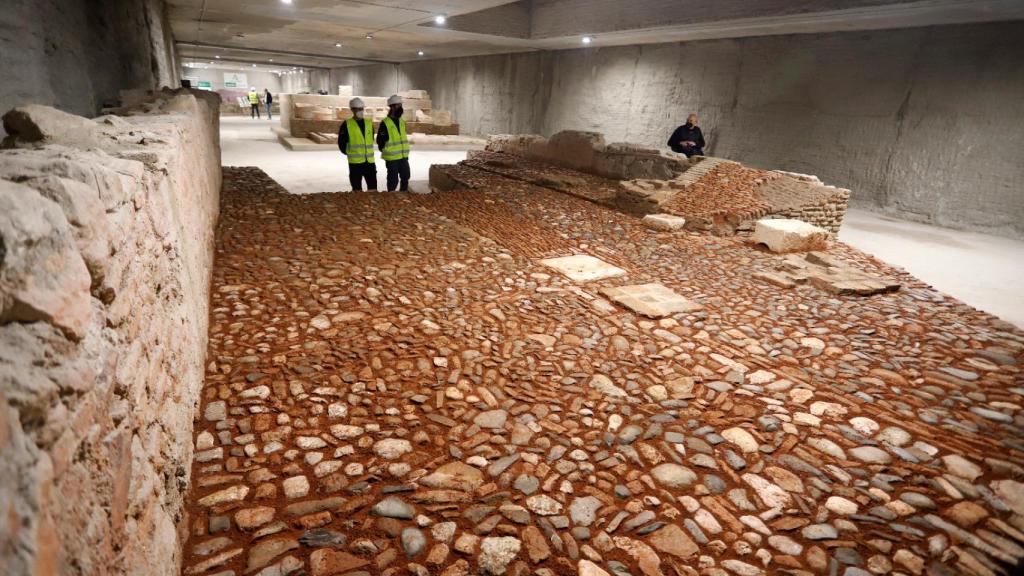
column 583, row 267
column 651, row 300
column 395, row 385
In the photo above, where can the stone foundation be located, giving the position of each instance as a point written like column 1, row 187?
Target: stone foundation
column 588, row 152
column 106, row 234
column 712, row 194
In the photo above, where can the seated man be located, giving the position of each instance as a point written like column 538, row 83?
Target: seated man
column 688, row 139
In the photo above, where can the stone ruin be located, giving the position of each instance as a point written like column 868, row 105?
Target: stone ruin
column 710, row 194
column 319, row 117
column 106, row 236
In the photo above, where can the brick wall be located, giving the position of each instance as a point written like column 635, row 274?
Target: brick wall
column 106, row 235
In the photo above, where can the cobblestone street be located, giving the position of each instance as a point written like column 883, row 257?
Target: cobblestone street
column 397, row 385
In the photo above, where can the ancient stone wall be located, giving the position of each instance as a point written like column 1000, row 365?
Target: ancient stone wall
column 105, row 258
column 588, row 152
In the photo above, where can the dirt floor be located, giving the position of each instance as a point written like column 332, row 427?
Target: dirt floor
column 397, row 385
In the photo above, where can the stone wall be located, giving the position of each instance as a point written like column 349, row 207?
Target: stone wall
column 77, row 55
column 869, row 111
column 106, row 231
column 588, row 152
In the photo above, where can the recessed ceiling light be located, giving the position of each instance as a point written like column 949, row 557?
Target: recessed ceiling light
column 217, row 57
column 420, row 53
column 337, row 44
column 253, row 65
column 270, row 60
column 369, row 36
column 440, row 19
column 286, row 1
column 586, row 39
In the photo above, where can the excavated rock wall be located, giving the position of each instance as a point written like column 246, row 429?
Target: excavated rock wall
column 106, row 232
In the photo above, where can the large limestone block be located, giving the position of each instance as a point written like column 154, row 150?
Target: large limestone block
column 664, row 221
column 652, row 300
column 572, row 148
column 35, row 124
column 786, row 235
column 583, row 267
column 43, row 277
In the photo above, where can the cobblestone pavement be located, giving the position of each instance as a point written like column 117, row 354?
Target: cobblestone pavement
column 397, row 385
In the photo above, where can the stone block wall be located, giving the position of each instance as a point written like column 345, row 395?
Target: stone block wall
column 106, row 235
column 588, row 152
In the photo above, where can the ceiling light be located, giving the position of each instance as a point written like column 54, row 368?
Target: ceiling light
column 253, row 65
column 217, row 57
column 270, row 60
column 586, row 39
column 369, row 36
column 337, row 44
column 440, row 19
column 286, row 1
column 420, row 53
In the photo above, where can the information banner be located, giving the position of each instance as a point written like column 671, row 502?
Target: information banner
column 235, row 80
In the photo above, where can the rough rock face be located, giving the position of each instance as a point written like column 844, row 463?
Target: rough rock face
column 105, row 256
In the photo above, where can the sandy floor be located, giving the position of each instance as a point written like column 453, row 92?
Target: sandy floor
column 984, row 271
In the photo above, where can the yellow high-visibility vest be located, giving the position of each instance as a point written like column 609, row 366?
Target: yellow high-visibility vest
column 398, row 141
column 360, row 144
column 254, row 98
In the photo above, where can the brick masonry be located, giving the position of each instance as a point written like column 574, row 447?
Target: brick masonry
column 107, row 227
column 710, row 193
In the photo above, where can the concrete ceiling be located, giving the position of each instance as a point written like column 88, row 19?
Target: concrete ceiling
column 304, row 32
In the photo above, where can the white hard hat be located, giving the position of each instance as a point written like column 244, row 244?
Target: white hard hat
column 356, row 103
column 394, row 99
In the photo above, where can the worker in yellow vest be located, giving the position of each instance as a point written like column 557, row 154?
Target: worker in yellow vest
column 393, row 142
column 254, row 103
column 355, row 140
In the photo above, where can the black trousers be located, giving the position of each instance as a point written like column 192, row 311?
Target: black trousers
column 356, row 173
column 255, row 111
column 398, row 170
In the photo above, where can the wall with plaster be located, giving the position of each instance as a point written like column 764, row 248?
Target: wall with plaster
column 923, row 123
column 77, row 55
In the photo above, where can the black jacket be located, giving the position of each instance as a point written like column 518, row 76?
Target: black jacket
column 687, row 132
column 382, row 135
column 343, row 133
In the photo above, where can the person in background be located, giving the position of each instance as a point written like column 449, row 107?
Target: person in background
column 393, row 142
column 254, row 103
column 269, row 98
column 355, row 140
column 688, row 139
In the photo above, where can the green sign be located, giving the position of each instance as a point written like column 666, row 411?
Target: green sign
column 229, row 84
column 205, row 84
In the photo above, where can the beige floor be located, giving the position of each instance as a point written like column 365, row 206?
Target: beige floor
column 984, row 271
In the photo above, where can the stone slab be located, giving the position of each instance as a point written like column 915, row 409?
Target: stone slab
column 652, row 300
column 664, row 221
column 583, row 267
column 789, row 235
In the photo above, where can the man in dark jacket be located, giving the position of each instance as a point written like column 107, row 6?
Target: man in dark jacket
column 355, row 140
column 269, row 99
column 688, row 139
